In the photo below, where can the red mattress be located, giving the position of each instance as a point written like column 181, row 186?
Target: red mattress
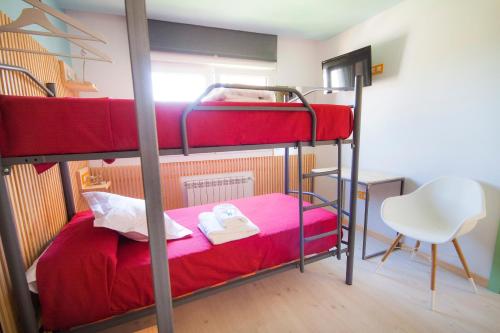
column 91, row 273
column 42, row 126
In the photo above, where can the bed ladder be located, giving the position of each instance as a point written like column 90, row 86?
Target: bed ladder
column 336, row 204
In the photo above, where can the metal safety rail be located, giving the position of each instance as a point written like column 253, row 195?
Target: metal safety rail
column 197, row 106
column 26, row 72
column 149, row 153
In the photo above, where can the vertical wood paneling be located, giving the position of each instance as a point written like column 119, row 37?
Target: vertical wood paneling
column 43, row 67
column 37, row 200
column 80, row 203
column 268, row 172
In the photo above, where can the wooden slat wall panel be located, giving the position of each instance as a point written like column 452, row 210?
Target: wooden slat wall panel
column 37, row 200
column 268, row 172
column 44, row 67
column 80, row 203
column 38, row 209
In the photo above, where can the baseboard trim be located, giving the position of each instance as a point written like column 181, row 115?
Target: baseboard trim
column 480, row 280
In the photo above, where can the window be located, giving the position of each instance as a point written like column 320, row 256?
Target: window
column 182, row 78
column 253, row 80
column 177, row 87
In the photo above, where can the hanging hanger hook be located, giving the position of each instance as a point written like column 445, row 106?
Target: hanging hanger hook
column 83, row 53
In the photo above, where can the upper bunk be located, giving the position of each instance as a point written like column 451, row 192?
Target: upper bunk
column 45, row 130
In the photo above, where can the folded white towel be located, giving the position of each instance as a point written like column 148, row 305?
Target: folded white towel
column 217, row 234
column 229, row 216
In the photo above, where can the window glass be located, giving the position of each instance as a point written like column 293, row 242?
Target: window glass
column 183, row 78
column 254, row 80
column 178, row 87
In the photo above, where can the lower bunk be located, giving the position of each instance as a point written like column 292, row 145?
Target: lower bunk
column 89, row 274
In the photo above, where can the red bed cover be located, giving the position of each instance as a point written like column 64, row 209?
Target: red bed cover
column 32, row 126
column 91, row 273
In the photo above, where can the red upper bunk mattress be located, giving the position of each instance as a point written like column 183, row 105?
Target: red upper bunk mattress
column 32, row 126
column 91, row 273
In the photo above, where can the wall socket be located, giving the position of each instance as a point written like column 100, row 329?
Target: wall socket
column 361, row 195
column 377, row 69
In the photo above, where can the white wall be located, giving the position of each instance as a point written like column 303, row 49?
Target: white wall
column 115, row 79
column 435, row 110
column 296, row 64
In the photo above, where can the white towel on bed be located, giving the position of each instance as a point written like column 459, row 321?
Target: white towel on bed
column 217, row 234
column 229, row 216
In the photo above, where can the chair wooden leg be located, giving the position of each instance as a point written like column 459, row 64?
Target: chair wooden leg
column 389, row 251
column 415, row 249
column 433, row 276
column 464, row 264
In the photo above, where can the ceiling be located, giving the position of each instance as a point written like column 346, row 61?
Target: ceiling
column 311, row 19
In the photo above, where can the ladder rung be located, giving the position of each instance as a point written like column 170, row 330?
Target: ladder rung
column 345, row 242
column 321, row 172
column 345, row 212
column 319, row 236
column 320, row 205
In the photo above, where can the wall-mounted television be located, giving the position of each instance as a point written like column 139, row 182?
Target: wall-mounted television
column 339, row 72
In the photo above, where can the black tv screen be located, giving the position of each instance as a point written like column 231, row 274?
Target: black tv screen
column 339, row 72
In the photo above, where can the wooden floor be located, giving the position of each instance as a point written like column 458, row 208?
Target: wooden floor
column 396, row 299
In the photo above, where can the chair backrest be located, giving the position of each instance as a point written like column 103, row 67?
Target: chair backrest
column 458, row 201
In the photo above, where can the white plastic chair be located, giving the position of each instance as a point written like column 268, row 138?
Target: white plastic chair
column 438, row 212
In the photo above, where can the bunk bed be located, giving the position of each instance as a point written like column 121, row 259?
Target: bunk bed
column 106, row 275
column 35, row 130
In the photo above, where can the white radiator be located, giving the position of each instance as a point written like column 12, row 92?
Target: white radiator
column 204, row 189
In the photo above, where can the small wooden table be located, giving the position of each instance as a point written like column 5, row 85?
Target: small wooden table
column 369, row 179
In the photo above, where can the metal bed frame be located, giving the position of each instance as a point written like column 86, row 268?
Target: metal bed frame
column 149, row 154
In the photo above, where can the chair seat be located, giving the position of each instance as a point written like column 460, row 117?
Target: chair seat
column 438, row 211
column 426, row 230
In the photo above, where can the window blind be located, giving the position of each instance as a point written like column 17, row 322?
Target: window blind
column 194, row 39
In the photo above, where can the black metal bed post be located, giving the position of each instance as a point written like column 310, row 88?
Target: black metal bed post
column 340, row 193
column 138, row 37
column 69, row 201
column 287, row 170
column 301, row 206
column 25, row 311
column 358, row 94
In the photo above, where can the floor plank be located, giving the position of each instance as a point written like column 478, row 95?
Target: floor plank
column 396, row 299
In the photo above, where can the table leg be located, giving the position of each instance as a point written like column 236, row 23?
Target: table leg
column 365, row 222
column 376, row 254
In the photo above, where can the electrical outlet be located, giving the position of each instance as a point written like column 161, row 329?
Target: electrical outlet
column 377, row 69
column 361, row 195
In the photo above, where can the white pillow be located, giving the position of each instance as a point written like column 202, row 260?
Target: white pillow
column 127, row 216
column 241, row 95
column 31, row 276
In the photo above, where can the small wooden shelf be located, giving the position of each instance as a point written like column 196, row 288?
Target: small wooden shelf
column 86, row 186
column 70, row 81
column 102, row 187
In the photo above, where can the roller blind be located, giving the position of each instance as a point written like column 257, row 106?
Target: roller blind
column 194, row 39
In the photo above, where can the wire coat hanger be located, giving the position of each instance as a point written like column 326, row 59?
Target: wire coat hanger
column 36, row 16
